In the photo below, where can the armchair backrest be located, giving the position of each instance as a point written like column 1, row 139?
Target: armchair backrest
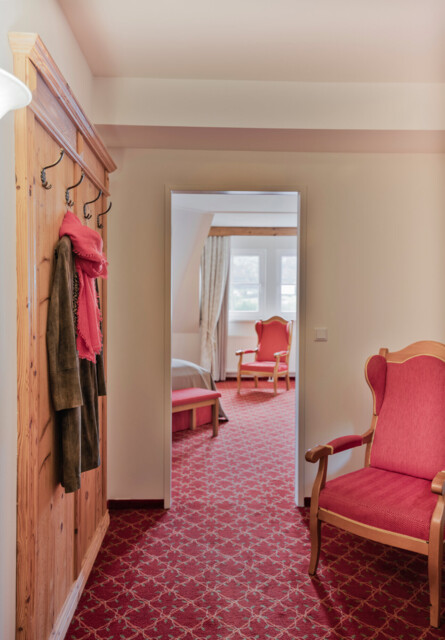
column 274, row 335
column 408, row 388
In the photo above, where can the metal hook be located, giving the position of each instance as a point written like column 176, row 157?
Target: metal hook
column 103, row 214
column 69, row 202
column 86, row 215
column 45, row 184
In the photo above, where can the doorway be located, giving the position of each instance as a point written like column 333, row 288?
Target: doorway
column 189, row 216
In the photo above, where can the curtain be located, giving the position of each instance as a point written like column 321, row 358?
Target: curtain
column 221, row 335
column 214, row 270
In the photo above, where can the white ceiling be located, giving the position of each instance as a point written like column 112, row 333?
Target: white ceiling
column 290, row 40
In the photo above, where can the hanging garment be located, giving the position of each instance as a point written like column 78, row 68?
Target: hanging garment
column 75, row 383
column 90, row 263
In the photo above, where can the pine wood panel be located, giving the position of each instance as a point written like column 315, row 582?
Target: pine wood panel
column 58, row 534
column 253, row 231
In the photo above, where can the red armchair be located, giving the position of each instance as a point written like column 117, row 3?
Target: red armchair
column 271, row 354
column 398, row 497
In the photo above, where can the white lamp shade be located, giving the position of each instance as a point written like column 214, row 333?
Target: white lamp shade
column 13, row 93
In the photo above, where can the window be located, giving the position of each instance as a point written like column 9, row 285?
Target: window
column 246, row 278
column 263, row 279
column 288, row 283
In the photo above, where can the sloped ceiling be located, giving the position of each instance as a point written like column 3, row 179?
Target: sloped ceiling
column 290, row 40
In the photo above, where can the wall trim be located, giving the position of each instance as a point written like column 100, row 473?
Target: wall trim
column 135, row 504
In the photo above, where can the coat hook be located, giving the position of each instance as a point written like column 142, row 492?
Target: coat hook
column 86, row 215
column 103, row 214
column 45, row 184
column 69, row 202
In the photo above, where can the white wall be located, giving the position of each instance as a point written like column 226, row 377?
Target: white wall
column 375, row 264
column 260, row 104
column 241, row 333
column 46, row 18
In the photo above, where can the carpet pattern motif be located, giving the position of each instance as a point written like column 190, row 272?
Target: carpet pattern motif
column 229, row 559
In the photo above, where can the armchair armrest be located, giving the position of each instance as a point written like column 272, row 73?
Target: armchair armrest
column 438, row 483
column 279, row 354
column 242, row 351
column 334, row 446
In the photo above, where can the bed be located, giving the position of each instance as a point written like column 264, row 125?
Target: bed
column 187, row 374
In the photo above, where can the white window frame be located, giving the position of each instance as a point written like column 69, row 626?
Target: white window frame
column 288, row 315
column 236, row 316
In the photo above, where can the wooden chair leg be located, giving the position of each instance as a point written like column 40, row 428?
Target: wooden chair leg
column 215, row 415
column 239, row 382
column 315, row 524
column 275, row 385
column 256, row 382
column 315, row 532
column 287, row 382
column 435, row 559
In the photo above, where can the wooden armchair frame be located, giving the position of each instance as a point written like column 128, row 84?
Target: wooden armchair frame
column 432, row 548
column 275, row 374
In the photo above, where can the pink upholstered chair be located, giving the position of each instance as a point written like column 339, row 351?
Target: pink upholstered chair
column 271, row 354
column 398, row 497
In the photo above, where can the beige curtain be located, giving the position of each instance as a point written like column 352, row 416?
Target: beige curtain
column 214, row 269
column 221, row 336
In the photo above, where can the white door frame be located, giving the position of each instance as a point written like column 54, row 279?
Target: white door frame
column 301, row 325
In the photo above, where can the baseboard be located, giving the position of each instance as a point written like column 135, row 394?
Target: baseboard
column 135, row 504
column 66, row 613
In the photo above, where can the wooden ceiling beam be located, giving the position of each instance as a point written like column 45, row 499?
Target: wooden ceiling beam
column 253, row 231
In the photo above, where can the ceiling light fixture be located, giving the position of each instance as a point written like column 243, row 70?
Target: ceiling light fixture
column 14, row 94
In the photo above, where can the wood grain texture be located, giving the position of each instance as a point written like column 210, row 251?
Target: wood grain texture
column 31, row 46
column 253, row 231
column 374, row 533
column 58, row 534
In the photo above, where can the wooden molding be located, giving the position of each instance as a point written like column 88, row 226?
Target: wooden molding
column 31, row 47
column 65, row 616
column 253, row 231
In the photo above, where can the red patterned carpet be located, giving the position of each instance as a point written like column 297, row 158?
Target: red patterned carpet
column 229, row 559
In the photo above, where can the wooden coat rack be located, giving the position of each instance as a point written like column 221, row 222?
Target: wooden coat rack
column 58, row 534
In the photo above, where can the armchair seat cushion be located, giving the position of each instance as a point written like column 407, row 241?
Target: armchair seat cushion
column 384, row 499
column 263, row 365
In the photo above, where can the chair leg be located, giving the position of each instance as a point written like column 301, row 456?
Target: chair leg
column 287, row 382
column 193, row 425
column 256, row 382
column 215, row 415
column 435, row 559
column 315, row 532
column 239, row 382
column 275, row 385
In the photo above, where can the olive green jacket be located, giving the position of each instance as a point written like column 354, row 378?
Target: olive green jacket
column 75, row 383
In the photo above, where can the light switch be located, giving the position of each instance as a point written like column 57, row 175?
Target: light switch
column 321, row 334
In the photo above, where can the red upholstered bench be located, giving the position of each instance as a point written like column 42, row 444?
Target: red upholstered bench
column 194, row 398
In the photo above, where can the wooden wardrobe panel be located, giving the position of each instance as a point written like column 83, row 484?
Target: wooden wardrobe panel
column 58, row 534
column 44, row 100
column 55, row 523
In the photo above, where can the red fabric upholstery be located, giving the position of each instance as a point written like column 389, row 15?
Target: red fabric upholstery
column 375, row 370
column 189, row 396
column 345, row 442
column 182, row 420
column 263, row 366
column 410, row 431
column 272, row 337
column 382, row 499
